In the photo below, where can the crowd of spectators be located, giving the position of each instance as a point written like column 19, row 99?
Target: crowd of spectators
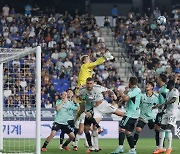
column 152, row 48
column 64, row 39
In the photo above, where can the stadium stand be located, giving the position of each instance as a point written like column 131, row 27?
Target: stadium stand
column 152, row 48
column 63, row 40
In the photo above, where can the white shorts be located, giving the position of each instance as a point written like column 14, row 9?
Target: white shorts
column 80, row 120
column 103, row 108
column 168, row 119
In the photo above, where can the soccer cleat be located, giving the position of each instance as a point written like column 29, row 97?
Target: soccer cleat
column 43, row 149
column 60, row 147
column 90, row 149
column 132, row 151
column 120, row 149
column 168, row 151
column 97, row 150
column 75, row 148
column 66, row 148
column 157, row 151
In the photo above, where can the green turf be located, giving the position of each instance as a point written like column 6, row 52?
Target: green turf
column 144, row 146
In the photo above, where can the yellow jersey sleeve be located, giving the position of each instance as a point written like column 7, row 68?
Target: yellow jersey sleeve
column 97, row 62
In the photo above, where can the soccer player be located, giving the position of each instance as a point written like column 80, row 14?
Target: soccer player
column 95, row 107
column 127, row 124
column 88, row 66
column 161, row 81
column 70, row 122
column 147, row 115
column 169, row 117
column 61, row 122
column 86, row 71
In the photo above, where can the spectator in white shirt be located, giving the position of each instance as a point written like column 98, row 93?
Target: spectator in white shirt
column 55, row 55
column 67, row 63
column 51, row 43
column 5, row 10
column 13, row 29
column 157, row 12
column 159, row 50
column 7, row 92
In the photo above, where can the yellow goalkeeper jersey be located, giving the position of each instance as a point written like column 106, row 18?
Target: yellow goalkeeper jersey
column 87, row 69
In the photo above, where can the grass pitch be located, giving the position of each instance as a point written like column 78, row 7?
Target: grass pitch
column 144, row 146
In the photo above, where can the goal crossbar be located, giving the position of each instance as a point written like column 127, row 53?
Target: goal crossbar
column 8, row 54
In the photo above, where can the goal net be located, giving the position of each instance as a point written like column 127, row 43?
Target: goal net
column 20, row 100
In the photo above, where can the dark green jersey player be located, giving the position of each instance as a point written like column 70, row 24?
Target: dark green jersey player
column 127, row 124
column 147, row 115
column 61, row 121
column 161, row 81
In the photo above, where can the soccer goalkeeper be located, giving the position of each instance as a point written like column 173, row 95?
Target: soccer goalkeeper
column 88, row 66
column 87, row 69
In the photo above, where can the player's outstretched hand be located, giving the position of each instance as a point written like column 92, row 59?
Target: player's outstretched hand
column 108, row 56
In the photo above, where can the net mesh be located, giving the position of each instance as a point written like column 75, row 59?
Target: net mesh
column 19, row 100
column 7, row 54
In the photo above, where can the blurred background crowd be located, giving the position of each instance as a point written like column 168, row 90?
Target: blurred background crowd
column 152, row 48
column 64, row 38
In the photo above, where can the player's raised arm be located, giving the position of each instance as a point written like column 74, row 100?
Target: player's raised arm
column 99, row 61
column 106, row 57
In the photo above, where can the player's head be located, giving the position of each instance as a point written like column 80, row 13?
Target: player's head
column 63, row 95
column 170, row 84
column 70, row 93
column 133, row 81
column 149, row 85
column 85, row 59
column 89, row 83
column 162, row 78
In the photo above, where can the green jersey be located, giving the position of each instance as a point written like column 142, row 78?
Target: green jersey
column 72, row 111
column 62, row 115
column 162, row 95
column 146, row 112
column 132, row 106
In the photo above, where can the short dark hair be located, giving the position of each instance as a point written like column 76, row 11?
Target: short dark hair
column 133, row 80
column 171, row 83
column 151, row 83
column 163, row 77
column 89, row 79
column 83, row 58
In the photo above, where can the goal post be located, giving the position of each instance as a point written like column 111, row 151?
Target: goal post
column 8, row 55
column 1, row 106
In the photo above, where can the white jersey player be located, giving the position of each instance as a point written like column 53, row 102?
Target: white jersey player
column 96, row 107
column 169, row 117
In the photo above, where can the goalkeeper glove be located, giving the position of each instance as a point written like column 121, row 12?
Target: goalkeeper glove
column 108, row 56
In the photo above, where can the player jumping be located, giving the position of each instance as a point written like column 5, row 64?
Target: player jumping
column 95, row 107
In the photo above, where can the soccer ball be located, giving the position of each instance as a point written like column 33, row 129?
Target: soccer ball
column 161, row 20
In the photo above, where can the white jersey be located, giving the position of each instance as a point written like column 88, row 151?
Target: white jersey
column 172, row 108
column 92, row 96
